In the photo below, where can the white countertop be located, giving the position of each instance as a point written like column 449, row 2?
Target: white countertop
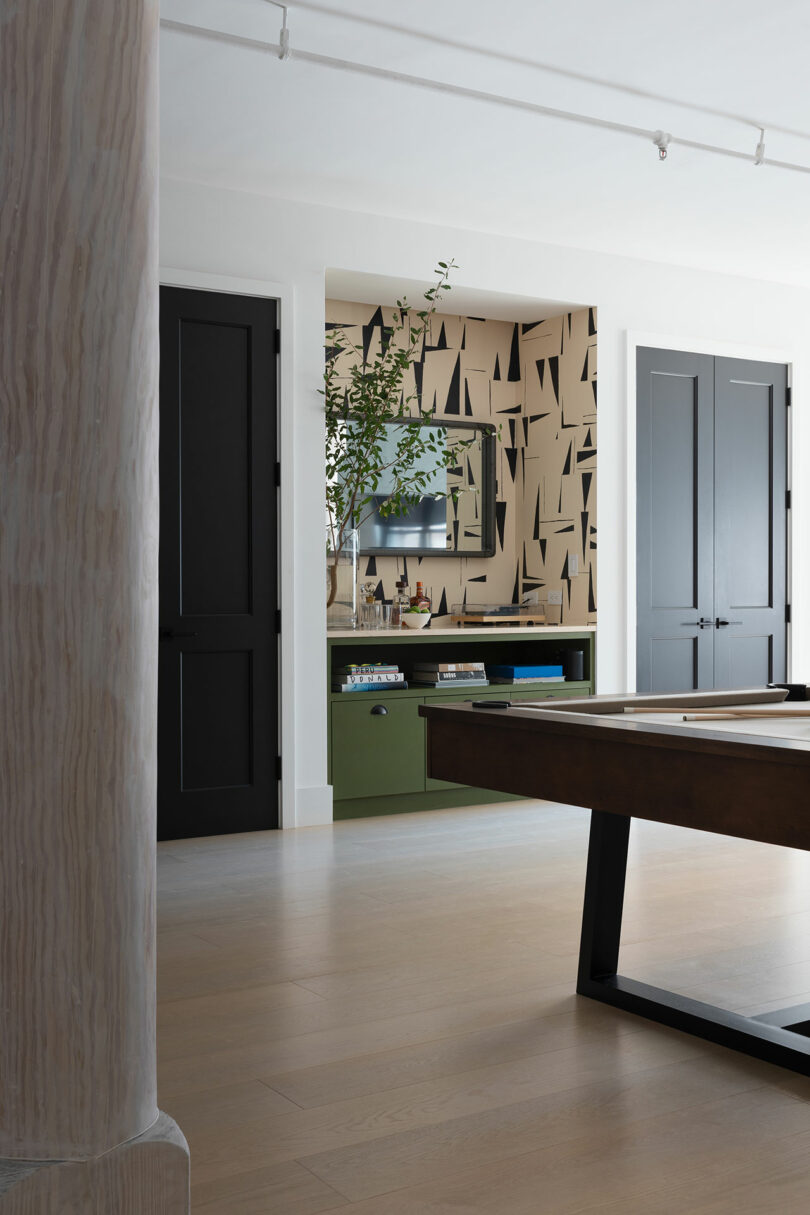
column 492, row 631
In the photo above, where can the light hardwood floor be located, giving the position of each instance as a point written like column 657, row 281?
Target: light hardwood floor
column 379, row 1018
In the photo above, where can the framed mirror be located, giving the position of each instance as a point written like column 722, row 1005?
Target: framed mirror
column 460, row 525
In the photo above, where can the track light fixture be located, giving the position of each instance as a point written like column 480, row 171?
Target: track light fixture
column 661, row 139
column 284, row 33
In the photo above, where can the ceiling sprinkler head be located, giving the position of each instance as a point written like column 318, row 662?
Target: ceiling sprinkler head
column 759, row 154
column 661, row 141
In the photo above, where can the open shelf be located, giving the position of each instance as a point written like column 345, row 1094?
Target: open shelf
column 377, row 762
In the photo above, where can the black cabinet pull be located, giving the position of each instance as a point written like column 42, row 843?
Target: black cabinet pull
column 379, row 711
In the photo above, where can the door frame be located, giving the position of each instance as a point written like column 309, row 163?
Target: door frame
column 229, row 285
column 716, row 349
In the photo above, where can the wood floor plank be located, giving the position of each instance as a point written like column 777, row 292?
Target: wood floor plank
column 370, row 1169
column 659, row 1169
column 385, row 1070
column 221, row 1109
column 436, row 1104
column 288, row 1189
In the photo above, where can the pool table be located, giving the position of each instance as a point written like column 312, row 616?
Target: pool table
column 679, row 759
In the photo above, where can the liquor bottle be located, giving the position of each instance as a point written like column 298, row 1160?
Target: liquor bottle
column 399, row 603
column 420, row 599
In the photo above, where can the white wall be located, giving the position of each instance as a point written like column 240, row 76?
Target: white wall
column 250, row 237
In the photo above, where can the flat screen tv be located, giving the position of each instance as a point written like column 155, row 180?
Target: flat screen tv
column 459, row 525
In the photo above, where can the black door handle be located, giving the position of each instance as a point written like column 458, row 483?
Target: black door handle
column 703, row 623
column 171, row 634
column 379, row 711
column 723, row 624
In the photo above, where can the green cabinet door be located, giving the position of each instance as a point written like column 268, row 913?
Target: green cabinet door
column 375, row 754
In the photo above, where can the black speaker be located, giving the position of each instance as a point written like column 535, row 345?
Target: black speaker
column 795, row 691
column 573, row 664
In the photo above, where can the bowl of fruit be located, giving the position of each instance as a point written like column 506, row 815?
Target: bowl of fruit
column 415, row 618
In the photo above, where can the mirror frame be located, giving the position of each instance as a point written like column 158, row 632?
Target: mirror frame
column 488, row 494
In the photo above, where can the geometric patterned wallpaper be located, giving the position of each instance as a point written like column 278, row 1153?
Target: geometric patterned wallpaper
column 538, row 382
column 558, row 360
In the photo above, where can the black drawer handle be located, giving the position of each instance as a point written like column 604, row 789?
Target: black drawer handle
column 379, row 711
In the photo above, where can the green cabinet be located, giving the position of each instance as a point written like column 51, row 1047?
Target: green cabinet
column 378, row 745
column 377, row 752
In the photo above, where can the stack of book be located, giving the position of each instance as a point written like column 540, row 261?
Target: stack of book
column 368, row 677
column 449, row 674
column 523, row 673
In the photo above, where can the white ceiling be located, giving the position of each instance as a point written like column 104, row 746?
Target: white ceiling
column 239, row 117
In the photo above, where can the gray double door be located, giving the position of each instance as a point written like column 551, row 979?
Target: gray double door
column 711, row 521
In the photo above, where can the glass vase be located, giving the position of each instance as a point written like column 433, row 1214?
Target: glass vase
column 341, row 580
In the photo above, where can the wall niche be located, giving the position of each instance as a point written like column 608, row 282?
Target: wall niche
column 538, row 381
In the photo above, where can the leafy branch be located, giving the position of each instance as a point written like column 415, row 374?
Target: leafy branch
column 363, row 395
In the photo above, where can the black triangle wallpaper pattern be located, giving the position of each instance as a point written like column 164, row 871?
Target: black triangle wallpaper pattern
column 539, row 382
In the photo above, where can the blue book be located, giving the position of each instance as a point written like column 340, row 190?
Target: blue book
column 369, row 687
column 519, row 671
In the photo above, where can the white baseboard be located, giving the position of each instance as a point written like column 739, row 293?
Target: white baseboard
column 313, row 806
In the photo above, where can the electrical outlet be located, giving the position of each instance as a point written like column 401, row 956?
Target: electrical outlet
column 573, row 565
column 555, row 596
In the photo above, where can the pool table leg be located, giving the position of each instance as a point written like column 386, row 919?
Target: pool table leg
column 780, row 1038
column 604, row 898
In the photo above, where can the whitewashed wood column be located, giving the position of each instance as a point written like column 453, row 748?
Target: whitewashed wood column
column 78, row 613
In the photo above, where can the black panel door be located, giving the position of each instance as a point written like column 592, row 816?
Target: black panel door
column 711, row 523
column 218, row 670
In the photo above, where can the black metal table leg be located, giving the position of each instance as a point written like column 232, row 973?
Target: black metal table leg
column 767, row 1039
column 604, row 897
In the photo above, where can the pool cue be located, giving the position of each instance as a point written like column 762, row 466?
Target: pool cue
column 738, row 716
column 695, row 714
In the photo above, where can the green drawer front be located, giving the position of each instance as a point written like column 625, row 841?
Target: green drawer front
column 374, row 755
column 562, row 694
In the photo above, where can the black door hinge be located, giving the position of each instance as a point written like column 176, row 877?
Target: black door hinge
column 787, row 499
column 278, row 620
column 278, row 767
column 277, row 473
column 788, row 397
column 277, row 341
column 787, row 613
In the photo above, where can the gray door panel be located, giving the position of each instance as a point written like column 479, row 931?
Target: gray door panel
column 674, row 506
column 711, row 531
column 750, row 452
column 673, row 663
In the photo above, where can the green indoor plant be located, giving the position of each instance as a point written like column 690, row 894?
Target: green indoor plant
column 361, row 400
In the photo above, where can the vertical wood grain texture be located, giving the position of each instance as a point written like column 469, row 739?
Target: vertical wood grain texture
column 78, row 574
